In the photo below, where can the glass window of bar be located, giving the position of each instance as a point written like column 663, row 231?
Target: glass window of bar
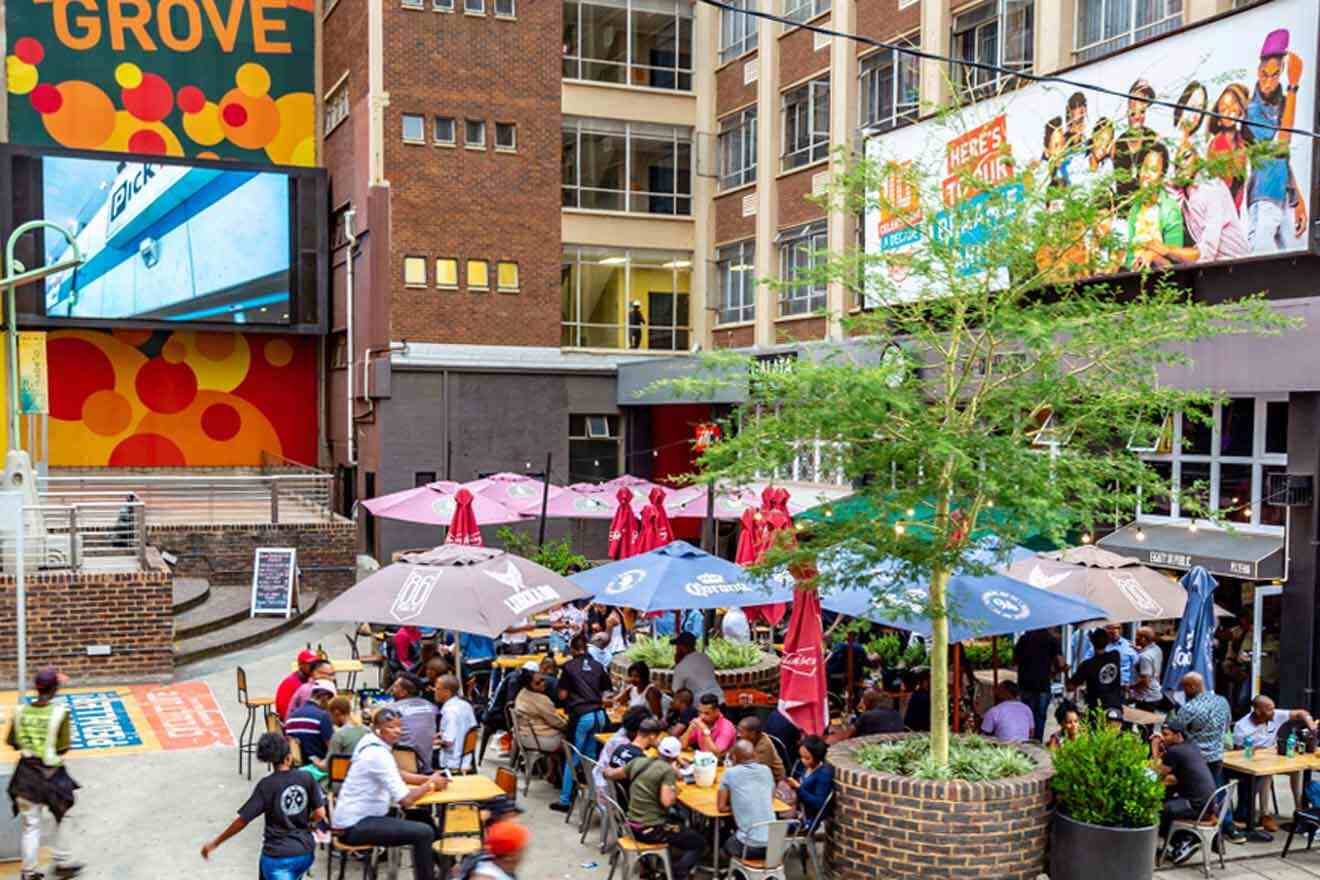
column 735, row 268
column 600, row 286
column 1001, row 32
column 1105, row 26
column 890, row 89
column 806, row 123
column 801, row 253
column 640, row 167
column 737, row 148
column 630, row 42
column 737, row 30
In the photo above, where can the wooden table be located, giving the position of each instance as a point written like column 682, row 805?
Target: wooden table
column 349, row 667
column 705, row 802
column 1141, row 717
column 461, row 789
column 516, row 661
column 1265, row 762
column 613, row 713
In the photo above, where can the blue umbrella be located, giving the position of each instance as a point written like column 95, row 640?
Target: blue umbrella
column 676, row 577
column 979, row 604
column 1193, row 650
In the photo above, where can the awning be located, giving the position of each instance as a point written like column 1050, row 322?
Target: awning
column 1233, row 554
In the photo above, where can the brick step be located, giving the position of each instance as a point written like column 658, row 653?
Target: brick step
column 190, row 593
column 241, row 634
column 226, row 606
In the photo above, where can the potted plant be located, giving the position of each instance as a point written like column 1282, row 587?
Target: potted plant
column 1107, row 808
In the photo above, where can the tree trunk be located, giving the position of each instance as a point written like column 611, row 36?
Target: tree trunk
column 939, row 668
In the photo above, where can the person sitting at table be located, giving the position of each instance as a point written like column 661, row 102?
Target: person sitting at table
column 747, row 790
column 750, row 731
column 456, row 719
column 652, row 791
column 649, row 733
column 550, row 670
column 431, row 672
column 294, row 680
column 322, row 671
column 917, row 715
column 1190, row 783
column 374, row 785
column 348, row 732
column 681, row 712
column 1101, row 674
column 1070, row 725
column 875, row 718
column 813, row 780
column 627, row 732
column 641, row 691
column 419, row 719
column 311, row 726
column 599, row 649
column 540, row 726
column 407, row 647
column 1261, row 726
column 710, row 731
column 1010, row 719
column 787, row 736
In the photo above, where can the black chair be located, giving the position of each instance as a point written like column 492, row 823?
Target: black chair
column 1304, row 820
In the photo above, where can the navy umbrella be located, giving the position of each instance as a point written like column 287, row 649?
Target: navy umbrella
column 1193, row 650
column 677, row 577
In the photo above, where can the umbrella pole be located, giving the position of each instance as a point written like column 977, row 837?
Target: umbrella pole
column 994, row 659
column 957, row 687
column 449, row 460
column 545, row 498
column 707, row 532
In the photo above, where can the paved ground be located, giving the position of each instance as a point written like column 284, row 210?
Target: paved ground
column 146, row 814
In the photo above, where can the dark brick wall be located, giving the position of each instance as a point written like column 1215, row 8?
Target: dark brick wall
column 66, row 611
column 794, row 208
column 798, row 59
column 223, row 554
column 730, row 224
column 882, row 19
column 730, row 92
column 737, row 337
column 893, row 826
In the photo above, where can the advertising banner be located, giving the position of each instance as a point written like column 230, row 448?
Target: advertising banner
column 1257, row 66
column 33, row 382
column 231, row 79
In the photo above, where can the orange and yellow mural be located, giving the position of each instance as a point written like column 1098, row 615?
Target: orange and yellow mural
column 142, row 398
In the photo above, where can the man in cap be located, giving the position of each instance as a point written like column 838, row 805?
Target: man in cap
column 652, row 790
column 40, row 733
column 322, row 673
column 1271, row 188
column 694, row 670
column 505, row 843
column 296, row 679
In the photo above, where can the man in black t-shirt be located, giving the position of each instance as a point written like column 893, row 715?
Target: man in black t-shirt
column 1102, row 674
column 1191, row 785
column 874, row 718
column 648, row 734
column 1039, row 657
column 583, row 684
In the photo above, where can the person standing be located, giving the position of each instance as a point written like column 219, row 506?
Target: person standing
column 1204, row 717
column 291, row 801
column 1039, row 657
column 694, row 670
column 583, row 684
column 1101, row 674
column 636, row 325
column 1272, row 188
column 747, row 790
column 456, row 719
column 1146, row 691
column 40, row 733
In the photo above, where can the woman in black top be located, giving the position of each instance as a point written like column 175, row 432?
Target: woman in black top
column 291, row 801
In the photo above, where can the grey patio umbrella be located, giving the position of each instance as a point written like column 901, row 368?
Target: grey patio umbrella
column 477, row 590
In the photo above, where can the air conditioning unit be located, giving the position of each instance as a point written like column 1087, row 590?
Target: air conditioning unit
column 1289, row 490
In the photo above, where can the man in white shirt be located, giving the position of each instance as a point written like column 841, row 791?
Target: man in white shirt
column 1146, row 691
column 599, row 649
column 374, row 784
column 694, row 670
column 456, row 719
column 1261, row 726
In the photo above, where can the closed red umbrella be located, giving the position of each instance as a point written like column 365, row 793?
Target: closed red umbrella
column 664, row 529
column 624, row 528
column 770, row 523
column 749, row 539
column 463, row 527
column 803, row 694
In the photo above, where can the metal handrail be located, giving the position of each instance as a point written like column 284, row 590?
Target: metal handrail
column 254, row 498
column 90, row 535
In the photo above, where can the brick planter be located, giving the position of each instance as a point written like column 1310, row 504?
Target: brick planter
column 764, row 676
column 895, row 826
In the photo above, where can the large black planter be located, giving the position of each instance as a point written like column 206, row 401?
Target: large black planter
column 1081, row 851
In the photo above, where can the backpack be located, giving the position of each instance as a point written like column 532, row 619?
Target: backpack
column 469, row 864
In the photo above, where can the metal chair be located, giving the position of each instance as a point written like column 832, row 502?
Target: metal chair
column 247, row 737
column 337, row 771
column 1305, row 821
column 344, row 851
column 632, row 851
column 593, row 806
column 772, row 866
column 469, row 751
column 804, row 840
column 574, row 766
column 524, row 755
column 366, row 660
column 1206, row 826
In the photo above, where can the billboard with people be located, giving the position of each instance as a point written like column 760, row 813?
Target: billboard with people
column 1256, row 70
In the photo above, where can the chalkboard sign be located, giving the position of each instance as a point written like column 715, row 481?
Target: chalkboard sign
column 273, row 577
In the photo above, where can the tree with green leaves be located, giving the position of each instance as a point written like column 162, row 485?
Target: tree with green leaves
column 997, row 381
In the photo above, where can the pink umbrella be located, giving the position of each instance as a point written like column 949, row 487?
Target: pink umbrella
column 434, row 504
column 802, row 688
column 729, row 505
column 463, row 528
column 515, row 491
column 624, row 529
column 582, row 501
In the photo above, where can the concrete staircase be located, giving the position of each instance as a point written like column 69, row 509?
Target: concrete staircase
column 213, row 620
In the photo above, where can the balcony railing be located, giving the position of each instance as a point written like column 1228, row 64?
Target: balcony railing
column 80, row 531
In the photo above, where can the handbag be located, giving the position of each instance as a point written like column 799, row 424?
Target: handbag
column 786, row 792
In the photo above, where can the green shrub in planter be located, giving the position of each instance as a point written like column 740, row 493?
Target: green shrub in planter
column 971, row 758
column 1104, row 778
column 658, row 653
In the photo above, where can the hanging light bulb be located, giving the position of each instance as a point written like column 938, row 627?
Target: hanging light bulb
column 898, row 528
column 595, row 463
column 911, row 511
column 655, row 453
column 1193, row 527
column 828, row 513
column 1086, row 538
column 990, row 502
column 1141, row 536
column 1247, row 512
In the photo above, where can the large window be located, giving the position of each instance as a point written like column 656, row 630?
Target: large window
column 737, row 148
column 626, row 166
column 615, row 298
column 806, row 123
column 1000, row 32
column 1105, row 26
column 804, row 10
column 594, row 451
column 632, row 42
column 1225, row 461
column 801, row 254
column 735, row 266
column 737, row 30
column 890, row 89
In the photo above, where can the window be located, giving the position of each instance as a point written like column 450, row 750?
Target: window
column 806, row 123
column 737, row 30
column 640, row 167
column 1232, row 456
column 442, row 5
column 414, row 271
column 336, row 106
column 506, row 136
column 593, row 448
column 474, row 7
column 478, row 275
column 801, row 253
column 421, row 478
column 506, row 275
column 1000, row 32
column 737, row 148
column 446, row 272
column 630, row 42
column 505, row 9
column 890, row 89
column 615, row 299
column 735, row 267
column 414, row 4
column 804, row 10
column 414, row 129
column 474, row 133
column 1105, row 26
column 444, row 130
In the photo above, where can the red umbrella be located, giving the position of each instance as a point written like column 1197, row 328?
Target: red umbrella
column 749, row 538
column 802, row 689
column 463, row 528
column 664, row 529
column 770, row 523
column 624, row 528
